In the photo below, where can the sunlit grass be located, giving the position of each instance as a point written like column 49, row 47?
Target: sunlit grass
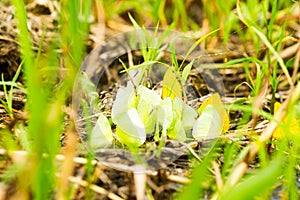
column 46, row 97
column 276, row 161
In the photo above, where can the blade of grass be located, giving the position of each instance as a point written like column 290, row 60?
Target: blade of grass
column 44, row 104
column 255, row 185
column 266, row 42
column 195, row 45
column 200, row 173
column 9, row 96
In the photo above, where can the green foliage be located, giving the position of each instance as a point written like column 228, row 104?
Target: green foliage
column 9, row 95
column 45, row 97
column 200, row 176
column 145, row 112
column 257, row 183
column 173, row 14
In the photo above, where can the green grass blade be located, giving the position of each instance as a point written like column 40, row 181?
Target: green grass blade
column 200, row 174
column 255, row 185
column 195, row 45
column 267, row 43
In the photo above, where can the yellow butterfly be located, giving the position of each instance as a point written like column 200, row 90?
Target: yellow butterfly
column 171, row 86
column 293, row 124
column 215, row 101
column 213, row 119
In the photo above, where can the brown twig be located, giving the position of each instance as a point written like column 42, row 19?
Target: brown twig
column 217, row 172
column 95, row 188
column 258, row 102
column 178, row 179
column 68, row 164
column 296, row 63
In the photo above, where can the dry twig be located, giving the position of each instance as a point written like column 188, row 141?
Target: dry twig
column 95, row 188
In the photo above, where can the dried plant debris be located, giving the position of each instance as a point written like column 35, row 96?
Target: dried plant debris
column 42, row 17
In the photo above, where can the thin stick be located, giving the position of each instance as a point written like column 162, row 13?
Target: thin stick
column 140, row 178
column 296, row 63
column 95, row 188
column 178, row 179
column 218, row 176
